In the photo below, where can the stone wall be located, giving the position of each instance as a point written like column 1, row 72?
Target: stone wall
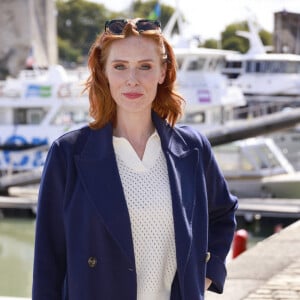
column 28, row 28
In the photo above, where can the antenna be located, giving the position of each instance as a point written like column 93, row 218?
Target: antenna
column 255, row 42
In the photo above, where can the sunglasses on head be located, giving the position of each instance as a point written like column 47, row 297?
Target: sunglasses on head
column 117, row 26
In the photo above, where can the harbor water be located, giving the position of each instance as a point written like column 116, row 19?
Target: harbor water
column 17, row 244
column 16, row 256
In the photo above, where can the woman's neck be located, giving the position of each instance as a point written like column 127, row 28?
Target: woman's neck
column 136, row 130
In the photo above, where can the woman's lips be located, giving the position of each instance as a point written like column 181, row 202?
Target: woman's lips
column 132, row 95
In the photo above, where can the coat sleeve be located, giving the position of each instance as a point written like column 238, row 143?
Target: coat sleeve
column 221, row 215
column 49, row 254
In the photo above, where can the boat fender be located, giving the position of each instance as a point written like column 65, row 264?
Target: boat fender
column 239, row 242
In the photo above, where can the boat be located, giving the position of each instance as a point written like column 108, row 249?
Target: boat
column 210, row 100
column 288, row 141
column 35, row 108
column 257, row 168
column 263, row 76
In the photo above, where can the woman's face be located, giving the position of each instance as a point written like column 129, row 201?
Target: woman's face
column 134, row 69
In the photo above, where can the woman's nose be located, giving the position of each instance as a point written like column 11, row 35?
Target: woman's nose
column 132, row 79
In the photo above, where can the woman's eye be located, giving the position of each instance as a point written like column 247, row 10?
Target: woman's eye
column 119, row 67
column 145, row 67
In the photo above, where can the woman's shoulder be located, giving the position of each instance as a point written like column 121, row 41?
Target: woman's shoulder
column 72, row 141
column 73, row 136
column 192, row 135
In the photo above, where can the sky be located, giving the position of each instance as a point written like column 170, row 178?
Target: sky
column 210, row 17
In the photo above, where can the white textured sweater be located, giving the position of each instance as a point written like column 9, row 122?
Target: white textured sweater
column 146, row 187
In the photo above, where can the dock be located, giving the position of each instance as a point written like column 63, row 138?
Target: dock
column 17, row 203
column 26, row 198
column 269, row 207
column 20, row 198
column 269, row 270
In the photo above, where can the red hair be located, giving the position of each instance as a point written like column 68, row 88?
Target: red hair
column 168, row 104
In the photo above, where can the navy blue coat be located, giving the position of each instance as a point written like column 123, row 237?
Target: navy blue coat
column 84, row 247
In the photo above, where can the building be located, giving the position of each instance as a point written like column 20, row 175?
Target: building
column 28, row 34
column 286, row 32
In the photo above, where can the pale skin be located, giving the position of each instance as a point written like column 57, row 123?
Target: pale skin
column 134, row 69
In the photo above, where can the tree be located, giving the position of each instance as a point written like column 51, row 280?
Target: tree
column 78, row 23
column 231, row 41
column 211, row 43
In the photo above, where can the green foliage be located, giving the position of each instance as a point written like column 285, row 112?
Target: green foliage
column 231, row 41
column 211, row 43
column 78, row 23
column 266, row 37
column 67, row 53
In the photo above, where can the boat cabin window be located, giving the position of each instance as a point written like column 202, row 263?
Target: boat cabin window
column 250, row 159
column 230, row 159
column 275, row 66
column 29, row 115
column 264, row 157
column 232, row 69
column 233, row 64
column 216, row 64
column 220, row 63
column 196, row 64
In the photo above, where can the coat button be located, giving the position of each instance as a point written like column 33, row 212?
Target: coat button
column 207, row 258
column 92, row 262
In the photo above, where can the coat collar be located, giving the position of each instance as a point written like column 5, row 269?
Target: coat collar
column 171, row 139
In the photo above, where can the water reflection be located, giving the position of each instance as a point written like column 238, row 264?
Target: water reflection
column 16, row 256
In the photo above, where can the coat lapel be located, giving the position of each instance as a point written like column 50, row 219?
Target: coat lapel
column 98, row 172
column 182, row 164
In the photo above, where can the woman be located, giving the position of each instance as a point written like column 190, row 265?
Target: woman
column 132, row 207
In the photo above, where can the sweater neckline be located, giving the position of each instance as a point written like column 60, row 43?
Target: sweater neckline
column 124, row 151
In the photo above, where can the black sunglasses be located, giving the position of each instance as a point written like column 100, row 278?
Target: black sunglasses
column 117, row 26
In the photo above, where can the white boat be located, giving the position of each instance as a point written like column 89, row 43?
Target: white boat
column 262, row 76
column 210, row 100
column 289, row 142
column 36, row 108
column 257, row 168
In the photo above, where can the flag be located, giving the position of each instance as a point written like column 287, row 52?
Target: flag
column 155, row 13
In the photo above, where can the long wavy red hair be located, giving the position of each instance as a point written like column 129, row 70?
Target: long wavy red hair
column 168, row 104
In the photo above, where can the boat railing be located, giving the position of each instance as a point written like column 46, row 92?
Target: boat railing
column 12, row 177
column 44, row 91
column 258, row 110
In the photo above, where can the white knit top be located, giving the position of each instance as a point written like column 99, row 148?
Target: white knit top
column 147, row 192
